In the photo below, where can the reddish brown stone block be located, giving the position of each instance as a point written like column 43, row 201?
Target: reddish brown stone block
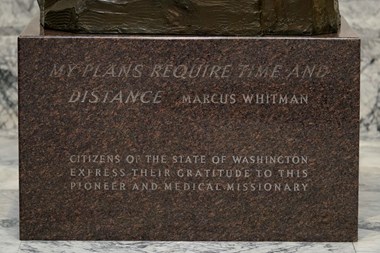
column 189, row 138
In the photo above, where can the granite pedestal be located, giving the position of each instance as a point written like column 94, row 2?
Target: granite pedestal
column 188, row 138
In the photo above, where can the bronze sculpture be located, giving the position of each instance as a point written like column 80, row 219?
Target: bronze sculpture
column 192, row 17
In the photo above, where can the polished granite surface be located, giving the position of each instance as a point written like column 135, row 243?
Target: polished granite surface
column 369, row 217
column 363, row 15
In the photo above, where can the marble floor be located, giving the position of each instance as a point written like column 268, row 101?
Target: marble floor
column 369, row 217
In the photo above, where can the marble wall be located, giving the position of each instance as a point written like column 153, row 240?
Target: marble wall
column 14, row 15
column 363, row 15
